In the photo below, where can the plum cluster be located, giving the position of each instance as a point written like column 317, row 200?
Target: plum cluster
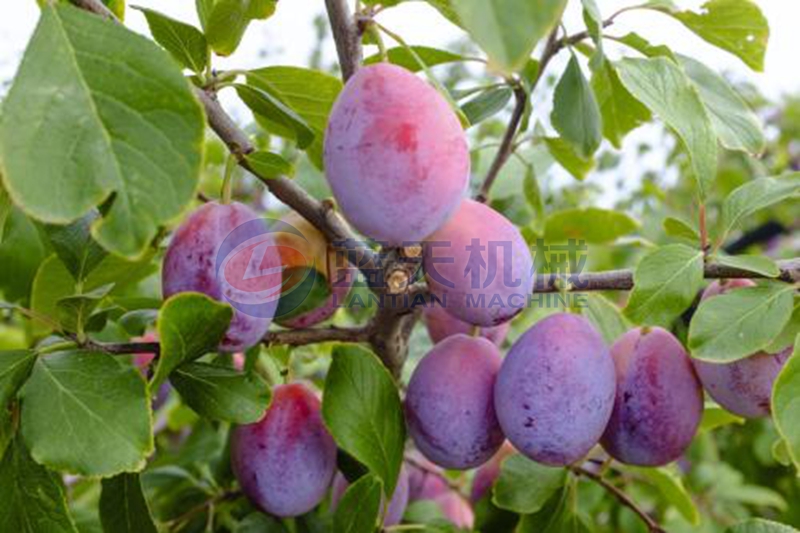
column 397, row 161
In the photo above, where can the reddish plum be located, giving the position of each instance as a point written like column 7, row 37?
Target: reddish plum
column 479, row 266
column 248, row 280
column 396, row 156
column 285, row 462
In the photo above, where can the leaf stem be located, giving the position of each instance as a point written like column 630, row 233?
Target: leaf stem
column 227, row 181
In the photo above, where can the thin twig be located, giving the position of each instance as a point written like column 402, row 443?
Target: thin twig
column 302, row 337
column 652, row 525
column 506, row 145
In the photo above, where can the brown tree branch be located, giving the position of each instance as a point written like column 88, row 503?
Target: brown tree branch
column 551, row 48
column 506, row 145
column 622, row 280
column 95, row 6
column 624, row 499
column 346, row 35
column 302, row 337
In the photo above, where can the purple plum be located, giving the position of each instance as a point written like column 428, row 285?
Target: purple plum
column 449, row 407
column 555, row 390
column 659, row 399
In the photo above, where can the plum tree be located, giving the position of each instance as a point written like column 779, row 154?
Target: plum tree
column 555, row 390
column 743, row 387
column 449, row 406
column 336, row 273
column 479, row 265
column 441, row 324
column 397, row 504
column 659, row 400
column 191, row 264
column 396, row 156
column 286, row 461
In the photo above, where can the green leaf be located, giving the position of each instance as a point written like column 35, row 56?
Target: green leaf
column 15, row 367
column 266, row 105
column 189, row 326
column 6, row 208
column 755, row 195
column 227, row 21
column 606, row 317
column 788, row 334
column 759, row 264
column 487, row 104
column 508, row 30
column 576, row 115
column 33, row 497
column 204, row 8
column 400, row 55
column 644, row 47
column 665, row 89
column 786, row 404
column 530, row 187
column 310, row 93
column 360, row 507
column 23, row 249
column 715, row 417
column 621, row 113
column 592, row 224
column 567, row 157
column 75, row 246
column 445, row 8
column 75, row 311
column 557, row 516
column 183, row 41
column 525, row 486
column 123, row 508
column 222, row 393
column 675, row 227
column 737, row 26
column 87, row 413
column 99, row 114
column 53, row 282
column 666, row 282
column 269, row 165
column 759, row 525
column 362, row 410
column 732, row 326
column 737, row 127
column 670, row 487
